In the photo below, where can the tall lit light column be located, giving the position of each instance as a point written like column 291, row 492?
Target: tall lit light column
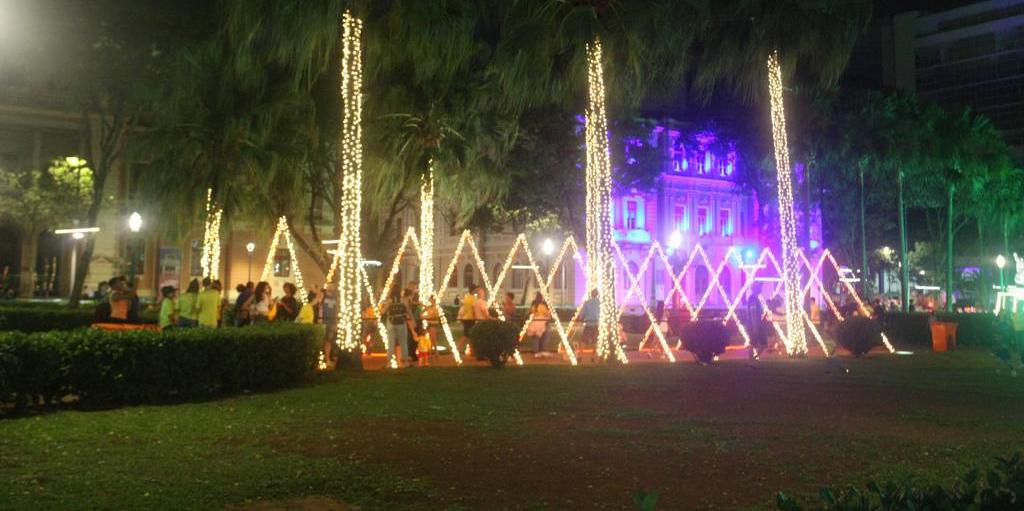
column 790, row 259
column 210, row 258
column 600, row 266
column 426, row 252
column 350, row 247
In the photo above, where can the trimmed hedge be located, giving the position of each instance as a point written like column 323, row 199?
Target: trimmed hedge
column 494, row 341
column 23, row 318
column 858, row 335
column 973, row 329
column 128, row 367
column 705, row 339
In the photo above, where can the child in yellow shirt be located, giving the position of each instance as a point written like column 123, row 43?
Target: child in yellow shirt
column 423, row 345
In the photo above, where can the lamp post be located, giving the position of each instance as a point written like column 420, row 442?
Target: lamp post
column 76, row 234
column 134, row 224
column 250, row 248
column 1001, row 263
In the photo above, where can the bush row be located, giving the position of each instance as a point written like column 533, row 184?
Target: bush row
column 24, row 318
column 973, row 329
column 129, row 367
column 1001, row 487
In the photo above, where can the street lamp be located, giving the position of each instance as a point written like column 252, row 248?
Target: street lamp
column 250, row 248
column 675, row 240
column 1001, row 263
column 548, row 247
column 134, row 224
column 76, row 233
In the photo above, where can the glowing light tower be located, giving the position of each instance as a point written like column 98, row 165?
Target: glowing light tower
column 350, row 248
column 426, row 252
column 790, row 261
column 210, row 258
column 600, row 264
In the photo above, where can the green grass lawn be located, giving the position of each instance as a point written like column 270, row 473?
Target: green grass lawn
column 537, row 437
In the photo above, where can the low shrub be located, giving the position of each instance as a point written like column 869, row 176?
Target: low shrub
column 35, row 318
column 909, row 329
column 494, row 341
column 973, row 329
column 126, row 367
column 705, row 339
column 1002, row 487
column 858, row 335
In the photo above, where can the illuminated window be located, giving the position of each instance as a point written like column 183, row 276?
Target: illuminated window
column 679, row 218
column 702, row 221
column 467, row 275
column 631, row 214
column 282, row 263
column 518, row 278
column 724, row 223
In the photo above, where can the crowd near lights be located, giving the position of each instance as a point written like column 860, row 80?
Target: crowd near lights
column 790, row 262
column 349, row 264
column 601, row 265
column 210, row 258
column 634, row 289
column 268, row 268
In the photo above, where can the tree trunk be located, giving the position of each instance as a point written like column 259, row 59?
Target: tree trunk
column 982, row 280
column 112, row 129
column 949, row 247
column 863, row 242
column 904, row 259
column 807, row 209
column 27, row 264
column 791, row 267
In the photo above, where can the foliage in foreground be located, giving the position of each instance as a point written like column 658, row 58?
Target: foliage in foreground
column 858, row 335
column 1001, row 487
column 126, row 367
column 28, row 318
column 706, row 339
column 494, row 341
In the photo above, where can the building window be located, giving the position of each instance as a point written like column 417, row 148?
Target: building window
column 518, row 278
column 724, row 222
column 467, row 275
column 679, row 218
column 282, row 263
column 726, row 280
column 702, row 221
column 700, row 281
column 627, row 275
column 195, row 266
column 631, row 214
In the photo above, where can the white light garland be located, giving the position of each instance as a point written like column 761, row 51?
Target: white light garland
column 210, row 258
column 426, row 251
column 350, row 256
column 791, row 264
column 268, row 267
column 601, row 264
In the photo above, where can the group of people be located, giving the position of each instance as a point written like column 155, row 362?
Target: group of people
column 255, row 305
column 411, row 326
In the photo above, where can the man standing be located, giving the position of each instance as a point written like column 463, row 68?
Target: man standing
column 209, row 304
column 590, row 314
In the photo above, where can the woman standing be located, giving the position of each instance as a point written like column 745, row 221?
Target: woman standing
column 538, row 328
column 260, row 310
column 288, row 306
column 188, row 306
column 397, row 316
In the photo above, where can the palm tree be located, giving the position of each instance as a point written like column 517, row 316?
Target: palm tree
column 748, row 43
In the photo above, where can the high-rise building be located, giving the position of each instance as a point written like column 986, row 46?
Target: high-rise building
column 967, row 56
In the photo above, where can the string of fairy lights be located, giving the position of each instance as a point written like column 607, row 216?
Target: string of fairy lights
column 282, row 231
column 791, row 264
column 426, row 251
column 209, row 259
column 349, row 267
column 601, row 265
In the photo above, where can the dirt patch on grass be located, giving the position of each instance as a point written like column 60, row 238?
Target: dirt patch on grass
column 300, row 504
